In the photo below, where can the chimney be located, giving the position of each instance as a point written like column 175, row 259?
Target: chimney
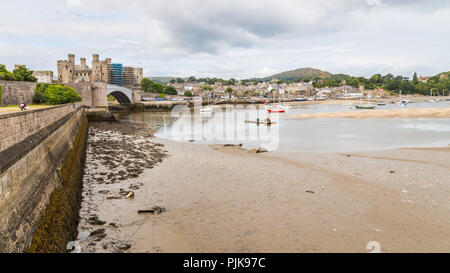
column 95, row 57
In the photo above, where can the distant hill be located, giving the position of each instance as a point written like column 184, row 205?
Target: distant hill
column 297, row 74
column 162, row 80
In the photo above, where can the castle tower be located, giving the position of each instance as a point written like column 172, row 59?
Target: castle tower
column 83, row 65
column 138, row 75
column 106, row 68
column 72, row 58
column 66, row 70
column 96, row 69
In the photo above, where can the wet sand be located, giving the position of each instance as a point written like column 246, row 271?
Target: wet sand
column 386, row 114
column 225, row 199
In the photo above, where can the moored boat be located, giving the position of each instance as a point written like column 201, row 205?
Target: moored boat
column 275, row 109
column 207, row 110
column 365, row 106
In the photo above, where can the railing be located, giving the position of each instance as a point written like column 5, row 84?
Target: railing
column 15, row 127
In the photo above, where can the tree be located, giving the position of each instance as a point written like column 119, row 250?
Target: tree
column 173, row 81
column 375, row 79
column 229, row 90
column 169, row 90
column 151, row 87
column 5, row 75
column 207, row 87
column 21, row 73
column 39, row 91
column 188, row 94
column 59, row 94
column 415, row 79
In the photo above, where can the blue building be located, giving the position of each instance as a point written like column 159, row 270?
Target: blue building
column 116, row 74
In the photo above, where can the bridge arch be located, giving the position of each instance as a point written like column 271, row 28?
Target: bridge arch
column 121, row 94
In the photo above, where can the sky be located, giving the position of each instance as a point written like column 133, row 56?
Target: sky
column 233, row 38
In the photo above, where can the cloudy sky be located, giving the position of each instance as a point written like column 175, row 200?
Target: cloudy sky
column 232, row 38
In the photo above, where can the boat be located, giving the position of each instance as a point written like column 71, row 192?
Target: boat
column 276, row 110
column 284, row 106
column 207, row 110
column 381, row 104
column 402, row 102
column 365, row 106
column 301, row 99
column 264, row 122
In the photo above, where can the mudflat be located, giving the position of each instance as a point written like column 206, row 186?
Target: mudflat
column 226, row 199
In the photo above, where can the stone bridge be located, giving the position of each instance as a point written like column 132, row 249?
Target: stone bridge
column 93, row 94
column 121, row 94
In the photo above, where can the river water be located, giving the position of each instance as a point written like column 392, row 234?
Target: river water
column 227, row 126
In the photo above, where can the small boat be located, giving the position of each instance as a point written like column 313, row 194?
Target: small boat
column 284, row 106
column 301, row 99
column 275, row 109
column 381, row 104
column 264, row 122
column 207, row 110
column 366, row 106
column 432, row 100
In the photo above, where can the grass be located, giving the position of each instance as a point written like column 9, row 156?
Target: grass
column 15, row 108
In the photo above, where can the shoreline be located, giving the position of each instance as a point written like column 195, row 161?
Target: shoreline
column 225, row 199
column 384, row 114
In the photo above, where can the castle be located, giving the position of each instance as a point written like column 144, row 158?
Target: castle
column 101, row 71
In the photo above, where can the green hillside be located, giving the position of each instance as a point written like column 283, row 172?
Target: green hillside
column 298, row 74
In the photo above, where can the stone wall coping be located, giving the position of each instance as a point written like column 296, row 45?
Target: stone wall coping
column 29, row 112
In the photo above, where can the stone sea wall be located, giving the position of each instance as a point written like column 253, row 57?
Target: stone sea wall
column 40, row 185
column 16, row 127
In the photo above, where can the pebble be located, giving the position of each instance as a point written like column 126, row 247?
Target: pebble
column 123, row 246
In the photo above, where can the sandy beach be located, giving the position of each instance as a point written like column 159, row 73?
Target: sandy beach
column 386, row 114
column 225, row 199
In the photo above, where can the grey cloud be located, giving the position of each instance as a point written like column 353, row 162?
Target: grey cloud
column 232, row 38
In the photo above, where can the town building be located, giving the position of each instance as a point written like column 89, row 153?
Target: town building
column 424, row 79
